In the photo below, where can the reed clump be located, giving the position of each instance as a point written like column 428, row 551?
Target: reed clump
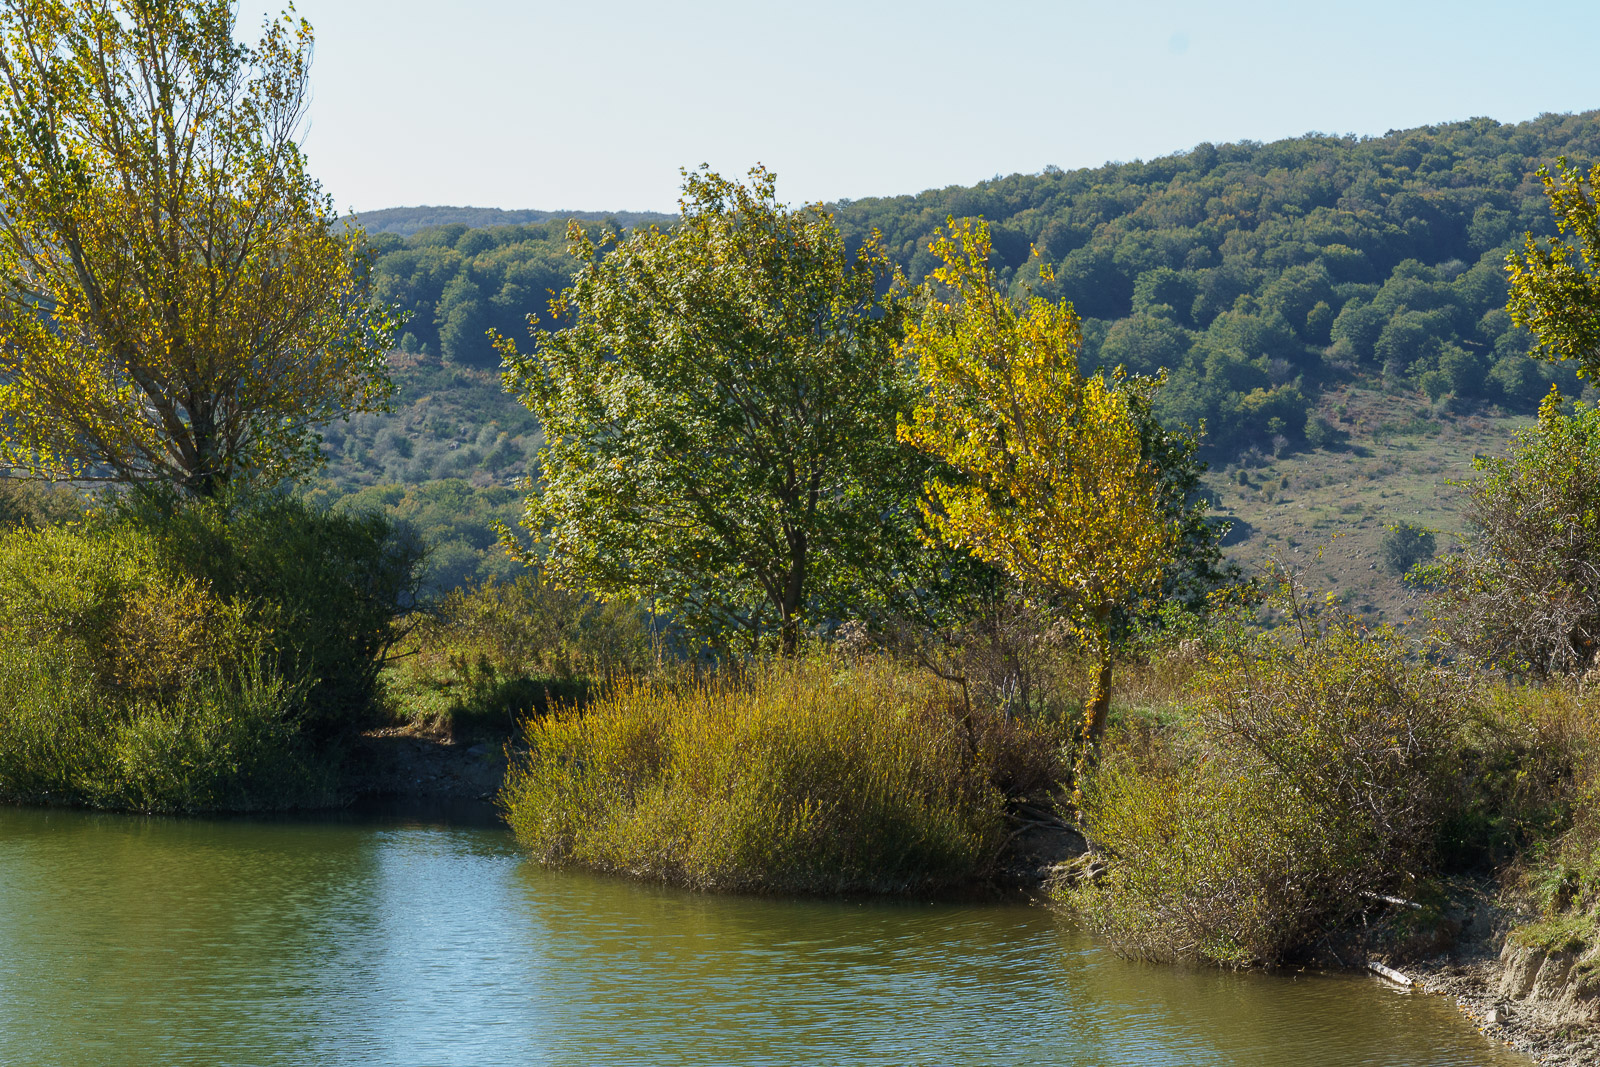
column 816, row 776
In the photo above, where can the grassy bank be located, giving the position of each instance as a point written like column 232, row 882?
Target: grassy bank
column 820, row 776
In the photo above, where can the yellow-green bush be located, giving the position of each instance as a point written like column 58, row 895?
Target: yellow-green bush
column 485, row 658
column 1322, row 766
column 220, row 743
column 813, row 776
column 185, row 657
column 112, row 605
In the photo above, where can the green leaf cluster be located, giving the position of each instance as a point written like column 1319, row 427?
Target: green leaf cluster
column 719, row 417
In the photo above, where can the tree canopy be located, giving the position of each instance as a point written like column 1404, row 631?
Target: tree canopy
column 1049, row 477
column 719, row 416
column 1555, row 285
column 178, row 302
column 1255, row 274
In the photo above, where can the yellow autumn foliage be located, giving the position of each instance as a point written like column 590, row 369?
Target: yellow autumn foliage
column 1053, row 486
column 1048, row 480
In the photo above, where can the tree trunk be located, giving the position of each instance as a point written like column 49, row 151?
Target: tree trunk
column 1094, row 719
column 793, row 596
column 1094, row 716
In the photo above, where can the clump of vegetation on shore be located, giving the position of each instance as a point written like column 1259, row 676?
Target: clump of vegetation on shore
column 482, row 659
column 191, row 658
column 1316, row 767
column 817, row 776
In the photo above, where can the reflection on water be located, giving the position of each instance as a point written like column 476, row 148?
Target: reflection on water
column 151, row 941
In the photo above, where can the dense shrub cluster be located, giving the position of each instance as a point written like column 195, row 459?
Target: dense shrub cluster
column 811, row 776
column 1317, row 769
column 160, row 657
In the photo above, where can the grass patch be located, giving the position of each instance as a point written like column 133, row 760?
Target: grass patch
column 818, row 776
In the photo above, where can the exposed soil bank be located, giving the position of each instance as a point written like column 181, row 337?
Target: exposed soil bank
column 1546, row 1005
column 408, row 770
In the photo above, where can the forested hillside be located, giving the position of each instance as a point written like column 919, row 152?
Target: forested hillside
column 406, row 221
column 1259, row 275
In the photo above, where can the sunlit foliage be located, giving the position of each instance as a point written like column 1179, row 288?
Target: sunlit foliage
column 1050, row 480
column 178, row 302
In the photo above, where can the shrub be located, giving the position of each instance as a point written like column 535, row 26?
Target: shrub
column 804, row 776
column 220, row 744
column 1405, row 545
column 105, row 598
column 330, row 587
column 1524, row 595
column 488, row 657
column 171, row 658
column 1320, row 768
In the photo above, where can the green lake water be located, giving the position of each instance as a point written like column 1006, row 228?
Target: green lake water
column 126, row 940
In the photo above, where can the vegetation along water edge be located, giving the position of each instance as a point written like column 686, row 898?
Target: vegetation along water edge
column 868, row 548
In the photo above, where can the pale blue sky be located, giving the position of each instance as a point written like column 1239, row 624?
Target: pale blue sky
column 498, row 103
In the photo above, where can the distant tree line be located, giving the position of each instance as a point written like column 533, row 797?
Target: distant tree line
column 1255, row 273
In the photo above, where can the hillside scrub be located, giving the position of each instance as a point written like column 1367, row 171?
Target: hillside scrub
column 816, row 776
column 205, row 657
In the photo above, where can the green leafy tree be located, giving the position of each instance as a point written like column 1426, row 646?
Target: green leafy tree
column 179, row 304
column 719, row 417
column 1524, row 594
column 1555, row 285
column 1404, row 545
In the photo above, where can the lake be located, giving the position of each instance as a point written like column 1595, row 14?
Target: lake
column 364, row 940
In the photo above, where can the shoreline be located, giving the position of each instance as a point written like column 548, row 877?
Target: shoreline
column 407, row 773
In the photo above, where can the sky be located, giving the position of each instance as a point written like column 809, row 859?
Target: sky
column 596, row 106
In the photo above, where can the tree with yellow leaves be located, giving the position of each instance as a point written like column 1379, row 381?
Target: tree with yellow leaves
column 1049, row 478
column 179, row 303
column 1555, row 284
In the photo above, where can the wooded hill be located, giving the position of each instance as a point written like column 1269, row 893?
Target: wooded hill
column 1261, row 276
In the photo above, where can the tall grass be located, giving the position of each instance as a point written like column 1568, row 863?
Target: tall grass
column 815, row 776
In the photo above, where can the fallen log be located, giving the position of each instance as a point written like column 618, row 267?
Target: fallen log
column 1390, row 973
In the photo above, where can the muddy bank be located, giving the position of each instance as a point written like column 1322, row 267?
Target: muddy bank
column 1544, row 1004
column 412, row 771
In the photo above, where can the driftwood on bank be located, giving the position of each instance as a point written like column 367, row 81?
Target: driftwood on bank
column 1390, row 973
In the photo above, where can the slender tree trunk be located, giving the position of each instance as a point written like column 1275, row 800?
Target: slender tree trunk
column 1094, row 716
column 1097, row 710
column 793, row 597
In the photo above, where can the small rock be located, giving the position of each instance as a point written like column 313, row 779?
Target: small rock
column 478, row 750
column 1498, row 1015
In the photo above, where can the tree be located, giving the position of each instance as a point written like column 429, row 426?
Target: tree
column 1404, row 545
column 1524, row 594
column 719, row 416
column 1050, row 480
column 1555, row 287
column 179, row 303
